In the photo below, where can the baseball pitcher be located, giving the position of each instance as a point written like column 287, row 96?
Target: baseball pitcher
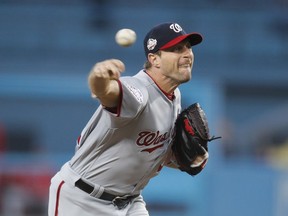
column 133, row 133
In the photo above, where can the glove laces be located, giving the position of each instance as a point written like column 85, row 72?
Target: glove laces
column 213, row 138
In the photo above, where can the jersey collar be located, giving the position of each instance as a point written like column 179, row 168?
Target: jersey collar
column 169, row 96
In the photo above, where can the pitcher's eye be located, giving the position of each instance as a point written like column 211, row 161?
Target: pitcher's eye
column 180, row 47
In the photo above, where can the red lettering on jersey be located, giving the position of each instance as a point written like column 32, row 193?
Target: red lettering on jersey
column 151, row 140
column 149, row 150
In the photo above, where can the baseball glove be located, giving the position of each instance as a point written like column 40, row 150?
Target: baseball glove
column 190, row 144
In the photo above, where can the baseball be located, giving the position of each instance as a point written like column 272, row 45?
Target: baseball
column 125, row 37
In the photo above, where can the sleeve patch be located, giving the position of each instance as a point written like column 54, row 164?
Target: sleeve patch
column 135, row 92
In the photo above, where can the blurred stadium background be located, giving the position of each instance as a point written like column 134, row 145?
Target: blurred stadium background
column 240, row 76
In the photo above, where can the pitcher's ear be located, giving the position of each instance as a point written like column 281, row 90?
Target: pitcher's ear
column 154, row 59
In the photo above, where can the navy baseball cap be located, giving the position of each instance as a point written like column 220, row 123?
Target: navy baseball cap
column 166, row 35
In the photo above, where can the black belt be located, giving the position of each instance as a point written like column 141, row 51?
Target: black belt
column 88, row 189
column 117, row 200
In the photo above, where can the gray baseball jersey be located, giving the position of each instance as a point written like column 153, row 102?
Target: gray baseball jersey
column 122, row 151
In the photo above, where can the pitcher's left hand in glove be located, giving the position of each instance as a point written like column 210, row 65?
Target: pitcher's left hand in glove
column 190, row 144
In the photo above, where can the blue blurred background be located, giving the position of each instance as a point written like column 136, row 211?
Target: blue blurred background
column 240, row 76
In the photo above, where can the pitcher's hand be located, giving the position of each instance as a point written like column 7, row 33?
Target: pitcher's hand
column 103, row 81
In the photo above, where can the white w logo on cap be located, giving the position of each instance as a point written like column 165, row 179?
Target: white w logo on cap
column 176, row 27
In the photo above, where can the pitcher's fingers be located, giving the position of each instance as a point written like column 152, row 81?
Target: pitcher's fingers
column 111, row 69
column 118, row 64
column 115, row 67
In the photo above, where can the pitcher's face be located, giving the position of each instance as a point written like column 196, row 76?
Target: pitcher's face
column 177, row 62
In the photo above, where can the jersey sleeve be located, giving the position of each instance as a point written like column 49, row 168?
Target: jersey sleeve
column 134, row 97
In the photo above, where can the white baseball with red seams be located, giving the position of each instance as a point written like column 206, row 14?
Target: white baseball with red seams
column 125, row 37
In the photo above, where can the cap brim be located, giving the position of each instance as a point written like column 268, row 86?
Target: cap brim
column 194, row 39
